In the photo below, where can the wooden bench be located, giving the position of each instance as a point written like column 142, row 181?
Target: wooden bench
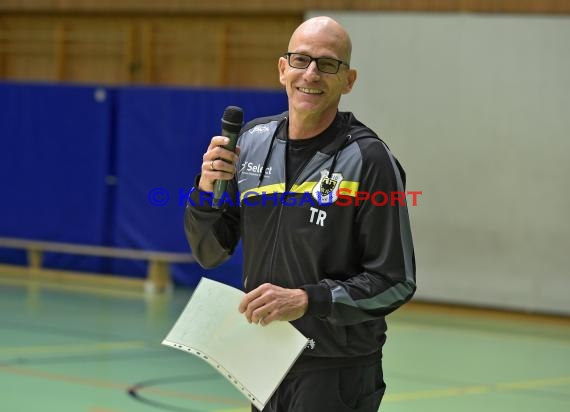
column 158, row 278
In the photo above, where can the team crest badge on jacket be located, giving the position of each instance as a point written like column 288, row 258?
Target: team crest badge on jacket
column 325, row 190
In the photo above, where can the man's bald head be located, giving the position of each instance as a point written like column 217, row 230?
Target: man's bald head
column 326, row 28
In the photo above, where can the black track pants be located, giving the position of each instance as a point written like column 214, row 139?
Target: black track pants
column 331, row 390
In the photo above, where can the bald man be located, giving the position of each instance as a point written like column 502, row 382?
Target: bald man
column 321, row 248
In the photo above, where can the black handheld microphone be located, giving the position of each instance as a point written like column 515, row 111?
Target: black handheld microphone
column 232, row 121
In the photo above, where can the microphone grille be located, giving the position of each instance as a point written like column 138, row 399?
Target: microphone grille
column 233, row 114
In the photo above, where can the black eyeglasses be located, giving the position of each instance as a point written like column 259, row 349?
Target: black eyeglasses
column 324, row 64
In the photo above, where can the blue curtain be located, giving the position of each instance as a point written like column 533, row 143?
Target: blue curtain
column 112, row 167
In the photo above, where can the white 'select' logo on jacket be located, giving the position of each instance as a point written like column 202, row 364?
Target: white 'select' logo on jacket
column 253, row 169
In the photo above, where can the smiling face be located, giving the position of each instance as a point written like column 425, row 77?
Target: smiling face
column 314, row 96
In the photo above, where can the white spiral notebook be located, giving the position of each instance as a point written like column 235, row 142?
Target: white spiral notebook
column 254, row 358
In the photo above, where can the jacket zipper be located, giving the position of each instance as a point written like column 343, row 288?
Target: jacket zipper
column 280, row 212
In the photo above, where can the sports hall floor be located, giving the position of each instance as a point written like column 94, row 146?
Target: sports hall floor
column 69, row 350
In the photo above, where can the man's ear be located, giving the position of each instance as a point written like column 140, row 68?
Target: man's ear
column 350, row 79
column 281, row 66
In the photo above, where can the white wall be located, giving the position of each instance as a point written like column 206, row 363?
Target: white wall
column 477, row 109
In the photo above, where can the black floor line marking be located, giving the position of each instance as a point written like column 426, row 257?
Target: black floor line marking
column 133, row 391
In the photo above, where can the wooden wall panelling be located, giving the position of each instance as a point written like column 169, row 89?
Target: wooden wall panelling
column 28, row 50
column 147, row 56
column 219, row 51
column 254, row 49
column 233, row 51
column 52, row 48
column 2, row 49
column 130, row 66
column 224, row 63
column 176, row 7
column 96, row 51
column 60, row 51
column 187, row 51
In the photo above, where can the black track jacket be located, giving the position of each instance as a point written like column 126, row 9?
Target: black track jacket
column 353, row 257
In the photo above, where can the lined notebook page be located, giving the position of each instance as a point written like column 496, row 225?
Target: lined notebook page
column 254, row 358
